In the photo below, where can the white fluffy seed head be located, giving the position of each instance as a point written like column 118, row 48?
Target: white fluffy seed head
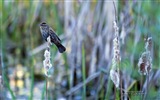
column 145, row 61
column 116, row 28
column 49, row 40
column 46, row 62
column 115, row 77
column 114, row 72
column 148, row 44
column 47, row 54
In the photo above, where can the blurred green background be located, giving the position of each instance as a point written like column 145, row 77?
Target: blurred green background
column 86, row 30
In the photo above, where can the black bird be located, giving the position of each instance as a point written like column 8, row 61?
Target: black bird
column 48, row 31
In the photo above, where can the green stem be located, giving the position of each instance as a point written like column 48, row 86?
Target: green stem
column 46, row 88
column 9, row 88
column 108, row 89
column 32, row 83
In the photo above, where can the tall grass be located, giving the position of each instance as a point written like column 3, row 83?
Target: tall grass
column 86, row 30
column 83, row 72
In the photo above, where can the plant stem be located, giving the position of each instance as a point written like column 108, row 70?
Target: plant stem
column 9, row 88
column 141, row 85
column 121, row 85
column 31, row 69
column 32, row 82
column 116, row 19
column 146, row 92
column 115, row 92
column 46, row 88
column 83, row 72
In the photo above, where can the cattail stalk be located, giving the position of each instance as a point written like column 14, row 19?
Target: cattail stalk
column 114, row 72
column 145, row 62
column 47, row 63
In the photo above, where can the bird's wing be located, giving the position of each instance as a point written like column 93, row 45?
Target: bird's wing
column 53, row 34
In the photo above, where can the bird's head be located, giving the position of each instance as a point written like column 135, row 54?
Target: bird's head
column 43, row 25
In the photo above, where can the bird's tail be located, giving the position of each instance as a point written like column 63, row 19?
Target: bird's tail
column 60, row 47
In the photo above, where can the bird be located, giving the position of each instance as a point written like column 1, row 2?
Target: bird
column 47, row 31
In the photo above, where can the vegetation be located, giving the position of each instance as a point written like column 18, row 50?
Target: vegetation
column 86, row 29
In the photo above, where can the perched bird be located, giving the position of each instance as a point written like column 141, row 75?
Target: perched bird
column 48, row 31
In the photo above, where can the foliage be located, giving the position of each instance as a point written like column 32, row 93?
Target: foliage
column 86, row 30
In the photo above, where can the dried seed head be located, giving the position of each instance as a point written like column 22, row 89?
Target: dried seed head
column 116, row 50
column 116, row 28
column 47, row 54
column 145, row 61
column 148, row 45
column 46, row 62
column 49, row 41
column 114, row 74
